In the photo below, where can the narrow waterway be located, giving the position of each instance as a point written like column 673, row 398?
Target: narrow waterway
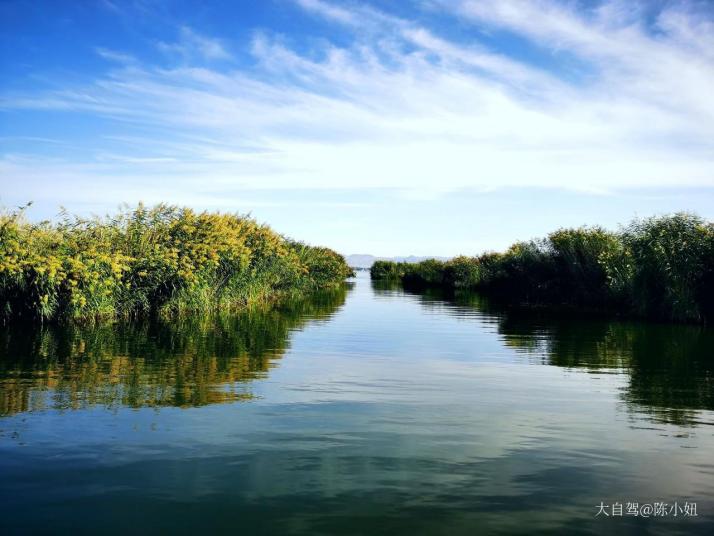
column 367, row 410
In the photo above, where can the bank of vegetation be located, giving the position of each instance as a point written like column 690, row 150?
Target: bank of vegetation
column 160, row 260
column 660, row 268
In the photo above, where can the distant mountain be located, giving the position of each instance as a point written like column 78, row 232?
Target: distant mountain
column 360, row 261
column 366, row 261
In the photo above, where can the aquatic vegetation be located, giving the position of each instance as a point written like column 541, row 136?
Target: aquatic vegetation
column 387, row 270
column 163, row 259
column 672, row 261
column 660, row 268
column 462, row 272
column 187, row 361
column 427, row 272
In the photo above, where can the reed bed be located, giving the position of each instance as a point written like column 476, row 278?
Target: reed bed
column 660, row 268
column 151, row 260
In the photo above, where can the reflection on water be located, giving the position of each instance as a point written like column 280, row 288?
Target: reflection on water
column 205, row 360
column 192, row 361
column 670, row 367
column 389, row 413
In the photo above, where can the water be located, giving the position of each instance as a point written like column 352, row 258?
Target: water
column 367, row 410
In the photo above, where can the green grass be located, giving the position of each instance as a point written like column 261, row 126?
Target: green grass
column 660, row 268
column 160, row 260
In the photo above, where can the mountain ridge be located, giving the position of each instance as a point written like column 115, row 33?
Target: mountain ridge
column 365, row 260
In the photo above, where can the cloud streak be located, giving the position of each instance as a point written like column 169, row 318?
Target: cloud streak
column 193, row 45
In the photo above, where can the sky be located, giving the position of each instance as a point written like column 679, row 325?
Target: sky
column 426, row 127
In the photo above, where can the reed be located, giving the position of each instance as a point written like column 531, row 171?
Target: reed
column 661, row 268
column 163, row 260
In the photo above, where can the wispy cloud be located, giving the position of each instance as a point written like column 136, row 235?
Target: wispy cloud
column 111, row 6
column 330, row 11
column 411, row 107
column 193, row 45
column 112, row 55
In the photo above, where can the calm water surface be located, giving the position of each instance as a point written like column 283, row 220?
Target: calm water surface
column 362, row 411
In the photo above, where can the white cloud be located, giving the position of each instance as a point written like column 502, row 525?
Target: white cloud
column 112, row 55
column 192, row 44
column 329, row 11
column 407, row 108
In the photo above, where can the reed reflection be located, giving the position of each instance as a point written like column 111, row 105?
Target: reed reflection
column 670, row 367
column 191, row 361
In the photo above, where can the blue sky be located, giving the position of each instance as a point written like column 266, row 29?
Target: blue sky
column 413, row 127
